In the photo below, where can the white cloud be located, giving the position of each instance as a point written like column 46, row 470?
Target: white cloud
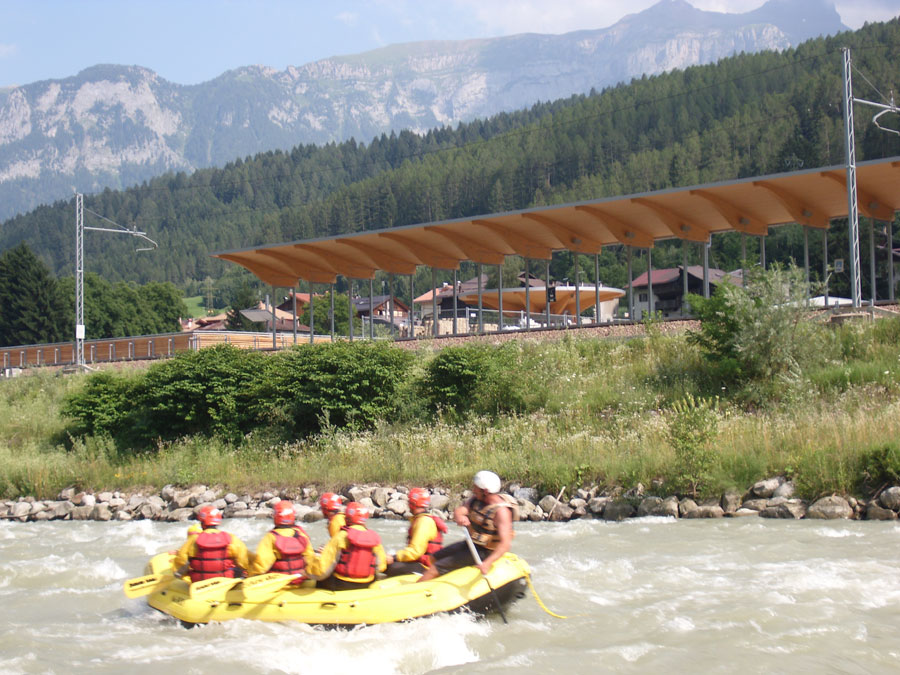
column 349, row 18
column 7, row 50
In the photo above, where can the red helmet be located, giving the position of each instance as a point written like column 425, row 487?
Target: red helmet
column 356, row 513
column 419, row 498
column 209, row 516
column 330, row 502
column 284, row 513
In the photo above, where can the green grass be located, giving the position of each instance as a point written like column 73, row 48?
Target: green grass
column 603, row 420
column 197, row 306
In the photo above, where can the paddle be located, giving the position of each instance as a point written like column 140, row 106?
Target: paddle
column 477, row 559
column 201, row 590
column 139, row 586
column 264, row 585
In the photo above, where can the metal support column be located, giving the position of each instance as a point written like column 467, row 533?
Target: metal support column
column 527, row 294
column 371, row 309
column 825, row 264
column 630, row 285
column 331, row 292
column 350, row 305
column 547, row 296
column 705, row 246
column 852, row 201
column 596, row 288
column 434, row 317
column 274, row 320
column 577, row 293
column 806, row 259
column 500, row 297
column 79, row 280
column 743, row 257
column 651, row 304
column 890, row 258
column 294, row 311
column 480, row 304
column 762, row 252
column 312, row 315
column 412, row 305
column 455, row 301
column 391, row 304
column 684, row 276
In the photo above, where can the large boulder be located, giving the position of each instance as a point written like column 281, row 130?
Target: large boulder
column 706, row 511
column 890, row 498
column 832, row 507
column 686, row 506
column 766, row 488
column 547, row 503
column 597, row 504
column 785, row 490
column 731, row 501
column 561, row 513
column 618, row 511
column 875, row 512
column 529, row 494
column 790, row 508
column 440, row 501
column 656, row 506
column 101, row 512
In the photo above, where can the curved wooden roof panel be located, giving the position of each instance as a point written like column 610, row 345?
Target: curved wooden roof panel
column 812, row 198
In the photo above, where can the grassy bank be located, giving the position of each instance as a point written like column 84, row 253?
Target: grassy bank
column 604, row 414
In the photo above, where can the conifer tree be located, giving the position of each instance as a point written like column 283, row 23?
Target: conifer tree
column 31, row 310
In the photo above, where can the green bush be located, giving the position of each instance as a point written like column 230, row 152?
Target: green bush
column 880, row 467
column 453, row 377
column 342, row 384
column 691, row 426
column 204, row 392
column 103, row 406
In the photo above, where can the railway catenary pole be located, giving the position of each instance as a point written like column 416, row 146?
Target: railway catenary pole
column 852, row 201
column 312, row 315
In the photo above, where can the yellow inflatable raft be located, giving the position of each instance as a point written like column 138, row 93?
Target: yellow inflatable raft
column 268, row 598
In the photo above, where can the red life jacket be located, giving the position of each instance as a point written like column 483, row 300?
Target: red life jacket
column 211, row 559
column 289, row 553
column 358, row 560
column 435, row 544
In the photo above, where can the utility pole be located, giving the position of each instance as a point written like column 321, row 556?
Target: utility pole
column 79, row 268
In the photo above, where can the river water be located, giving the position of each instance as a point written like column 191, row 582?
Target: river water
column 647, row 595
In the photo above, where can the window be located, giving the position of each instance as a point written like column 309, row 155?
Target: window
column 642, row 297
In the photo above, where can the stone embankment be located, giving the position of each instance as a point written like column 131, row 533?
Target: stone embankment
column 771, row 498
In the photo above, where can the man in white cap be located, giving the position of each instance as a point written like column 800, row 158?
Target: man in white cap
column 488, row 516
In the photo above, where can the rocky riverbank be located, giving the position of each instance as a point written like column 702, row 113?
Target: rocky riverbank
column 771, row 498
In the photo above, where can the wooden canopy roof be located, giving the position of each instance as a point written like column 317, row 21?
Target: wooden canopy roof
column 752, row 205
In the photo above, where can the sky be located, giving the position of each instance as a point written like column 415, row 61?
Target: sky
column 192, row 41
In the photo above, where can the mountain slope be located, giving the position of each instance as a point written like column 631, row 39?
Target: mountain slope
column 116, row 125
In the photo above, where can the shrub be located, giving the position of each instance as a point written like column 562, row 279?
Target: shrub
column 691, row 426
column 342, row 384
column 453, row 376
column 205, row 392
column 102, row 406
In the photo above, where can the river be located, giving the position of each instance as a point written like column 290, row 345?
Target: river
column 647, row 595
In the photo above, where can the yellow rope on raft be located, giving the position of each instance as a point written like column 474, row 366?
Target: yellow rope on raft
column 538, row 598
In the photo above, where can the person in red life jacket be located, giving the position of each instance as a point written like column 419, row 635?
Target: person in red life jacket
column 488, row 516
column 330, row 504
column 352, row 557
column 424, row 539
column 286, row 548
column 212, row 552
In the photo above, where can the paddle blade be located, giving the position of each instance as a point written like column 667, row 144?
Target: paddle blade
column 139, row 586
column 264, row 585
column 212, row 588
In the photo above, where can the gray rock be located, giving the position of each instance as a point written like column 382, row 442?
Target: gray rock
column 358, row 493
column 440, row 502
column 37, row 507
column 537, row 515
column 547, row 503
column 156, row 501
column 368, row 503
column 244, row 513
column 123, row 515
column 180, row 515
column 312, row 516
column 41, row 515
column 230, row 498
column 134, row 502
column 618, row 511
column 526, row 508
column 766, row 488
column 220, row 504
column 656, row 506
column 181, row 499
column 87, row 499
column 66, row 494
column 529, row 494
column 117, row 504
column 792, row 508
column 168, row 493
column 381, row 496
column 731, row 501
column 104, row 496
column 101, row 512
column 146, row 510
column 240, row 505
column 597, row 504
column 686, row 506
column 82, row 512
column 62, row 510
column 561, row 513
column 209, row 496
column 890, row 498
column 264, row 513
column 398, row 506
column 742, row 512
column 785, row 490
column 636, row 491
column 875, row 512
column 20, row 510
column 706, row 511
column 830, row 508
column 577, row 503
column 755, row 504
column 648, row 506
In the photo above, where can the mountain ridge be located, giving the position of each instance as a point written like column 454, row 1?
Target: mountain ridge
column 113, row 126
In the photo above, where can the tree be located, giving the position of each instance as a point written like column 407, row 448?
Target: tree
column 31, row 310
column 245, row 297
